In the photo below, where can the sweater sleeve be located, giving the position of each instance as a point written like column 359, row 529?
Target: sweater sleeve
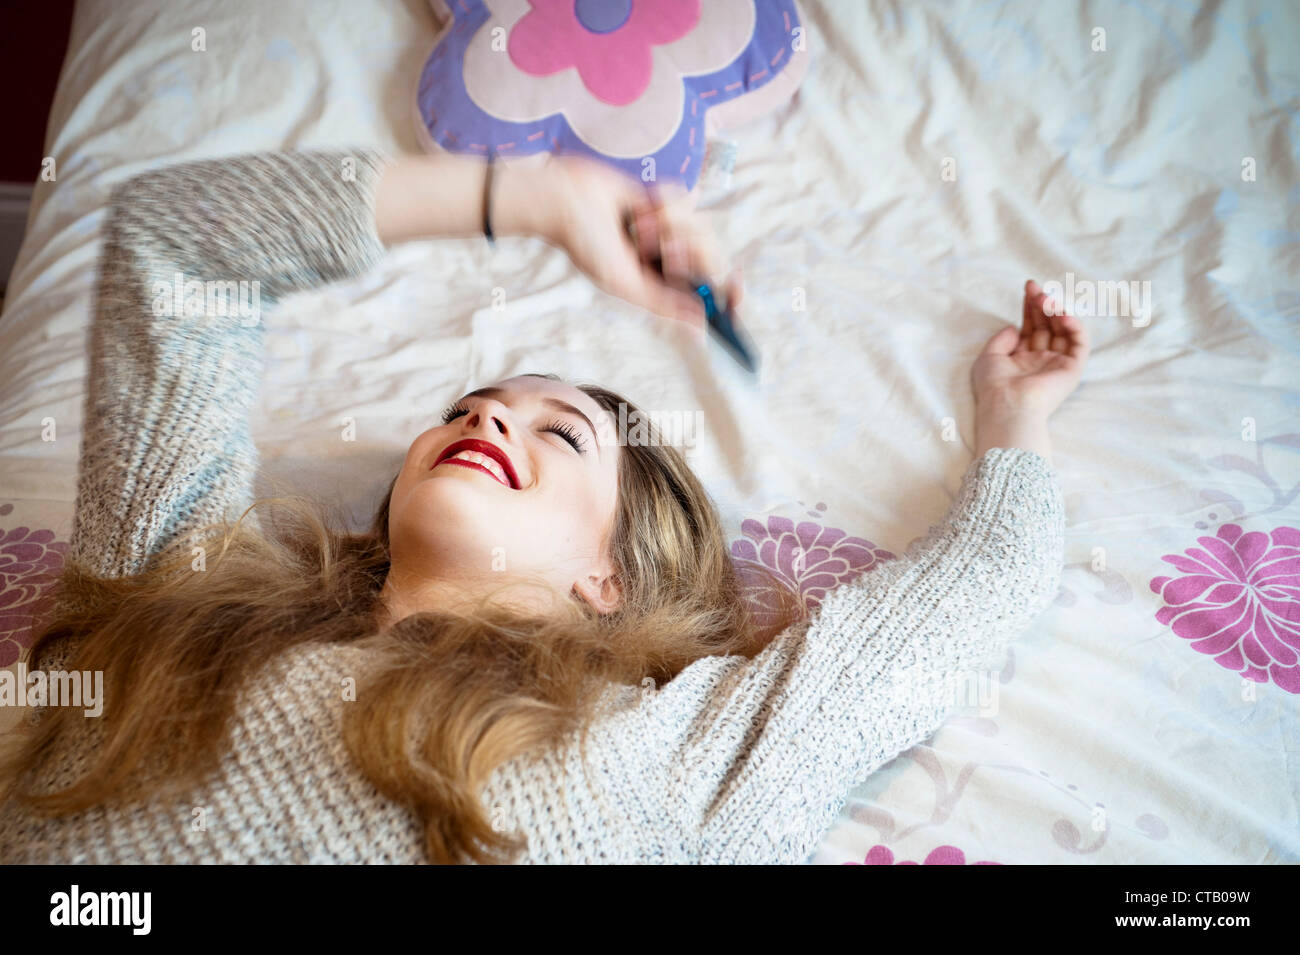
column 193, row 257
column 762, row 752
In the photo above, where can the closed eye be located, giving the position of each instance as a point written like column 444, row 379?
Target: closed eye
column 568, row 433
column 565, row 431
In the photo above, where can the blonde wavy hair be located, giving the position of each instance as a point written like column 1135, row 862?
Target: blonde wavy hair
column 479, row 689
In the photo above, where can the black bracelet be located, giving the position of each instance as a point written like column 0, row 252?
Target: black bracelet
column 487, row 200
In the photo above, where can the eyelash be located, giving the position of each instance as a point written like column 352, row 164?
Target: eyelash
column 565, row 431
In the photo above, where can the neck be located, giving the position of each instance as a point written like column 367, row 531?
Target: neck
column 404, row 594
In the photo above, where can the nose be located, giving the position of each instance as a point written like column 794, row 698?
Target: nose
column 491, row 415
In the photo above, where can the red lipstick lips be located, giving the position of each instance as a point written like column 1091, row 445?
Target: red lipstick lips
column 485, row 448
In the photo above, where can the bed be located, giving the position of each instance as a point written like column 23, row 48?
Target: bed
column 1140, row 155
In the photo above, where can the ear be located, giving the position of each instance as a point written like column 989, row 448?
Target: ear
column 602, row 592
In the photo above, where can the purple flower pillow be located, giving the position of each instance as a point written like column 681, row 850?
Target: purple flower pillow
column 640, row 84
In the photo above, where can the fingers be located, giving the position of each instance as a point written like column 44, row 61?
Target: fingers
column 1053, row 312
column 1036, row 329
column 670, row 302
column 645, row 230
column 1048, row 327
column 643, row 286
column 673, row 303
column 671, row 235
column 674, row 247
column 1064, row 327
column 1077, row 344
column 1028, row 326
column 1003, row 342
column 1042, row 337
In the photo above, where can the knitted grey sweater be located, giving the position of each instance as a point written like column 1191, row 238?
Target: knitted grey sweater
column 735, row 760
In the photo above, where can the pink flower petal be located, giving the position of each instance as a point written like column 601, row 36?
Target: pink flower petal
column 1220, row 626
column 879, row 855
column 1268, row 638
column 1288, row 678
column 744, row 550
column 1231, row 659
column 1183, row 590
column 1250, row 548
column 946, row 855
column 1286, row 536
column 1223, row 552
column 1255, row 653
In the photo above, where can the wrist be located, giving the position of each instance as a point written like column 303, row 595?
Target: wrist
column 523, row 202
column 1011, row 402
column 1006, row 425
column 425, row 197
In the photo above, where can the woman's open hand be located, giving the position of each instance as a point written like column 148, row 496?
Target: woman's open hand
column 590, row 205
column 1037, row 369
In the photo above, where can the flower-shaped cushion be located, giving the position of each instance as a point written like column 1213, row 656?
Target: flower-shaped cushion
column 640, row 84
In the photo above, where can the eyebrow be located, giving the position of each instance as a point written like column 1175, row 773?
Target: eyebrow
column 556, row 403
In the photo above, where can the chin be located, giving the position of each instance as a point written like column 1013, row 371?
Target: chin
column 464, row 503
column 457, row 493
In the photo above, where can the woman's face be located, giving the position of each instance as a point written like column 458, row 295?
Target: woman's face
column 452, row 523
